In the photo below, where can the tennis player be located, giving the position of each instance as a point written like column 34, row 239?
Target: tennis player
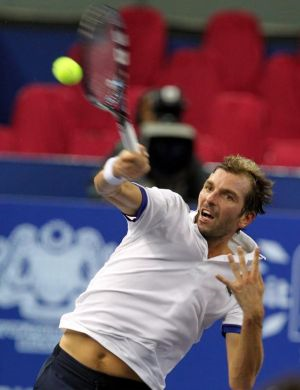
column 173, row 275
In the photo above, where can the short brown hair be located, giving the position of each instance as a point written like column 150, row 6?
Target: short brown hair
column 261, row 193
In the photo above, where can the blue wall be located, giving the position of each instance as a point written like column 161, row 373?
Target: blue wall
column 74, row 179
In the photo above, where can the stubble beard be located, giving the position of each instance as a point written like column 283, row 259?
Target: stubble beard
column 213, row 233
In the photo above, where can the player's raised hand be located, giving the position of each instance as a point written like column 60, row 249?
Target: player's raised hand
column 113, row 182
column 248, row 286
column 132, row 165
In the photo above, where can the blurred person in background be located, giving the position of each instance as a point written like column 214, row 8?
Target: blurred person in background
column 170, row 144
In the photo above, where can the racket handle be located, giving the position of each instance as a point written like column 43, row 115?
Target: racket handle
column 128, row 137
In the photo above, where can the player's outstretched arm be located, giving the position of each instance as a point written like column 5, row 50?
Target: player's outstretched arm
column 245, row 350
column 113, row 181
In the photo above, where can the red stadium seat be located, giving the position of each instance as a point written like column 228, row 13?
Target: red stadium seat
column 237, row 126
column 134, row 93
column 7, row 139
column 281, row 89
column 37, row 119
column 196, row 73
column 236, row 35
column 147, row 32
column 92, row 142
column 53, row 119
column 93, row 132
column 90, row 131
column 283, row 153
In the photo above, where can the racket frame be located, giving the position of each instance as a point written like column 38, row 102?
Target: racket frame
column 115, row 103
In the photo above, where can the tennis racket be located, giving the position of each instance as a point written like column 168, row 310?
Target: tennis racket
column 105, row 56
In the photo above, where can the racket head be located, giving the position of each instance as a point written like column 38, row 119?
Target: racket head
column 104, row 46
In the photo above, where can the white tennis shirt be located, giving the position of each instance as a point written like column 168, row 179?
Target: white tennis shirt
column 157, row 293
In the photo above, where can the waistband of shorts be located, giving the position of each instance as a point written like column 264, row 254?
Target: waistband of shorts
column 91, row 375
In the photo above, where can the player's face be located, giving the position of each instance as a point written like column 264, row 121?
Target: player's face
column 220, row 205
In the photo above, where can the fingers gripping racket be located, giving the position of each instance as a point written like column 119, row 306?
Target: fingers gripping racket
column 105, row 61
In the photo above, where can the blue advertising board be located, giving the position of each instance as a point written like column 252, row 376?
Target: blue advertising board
column 50, row 249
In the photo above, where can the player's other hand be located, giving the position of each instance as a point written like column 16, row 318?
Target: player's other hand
column 247, row 286
column 132, row 165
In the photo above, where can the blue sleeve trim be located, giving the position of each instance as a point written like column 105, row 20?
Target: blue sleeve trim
column 142, row 207
column 230, row 328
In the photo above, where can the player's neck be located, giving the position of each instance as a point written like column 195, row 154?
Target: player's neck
column 217, row 248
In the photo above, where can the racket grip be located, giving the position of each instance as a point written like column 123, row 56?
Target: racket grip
column 128, row 137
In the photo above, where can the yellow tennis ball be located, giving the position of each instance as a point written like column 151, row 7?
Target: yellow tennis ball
column 67, row 71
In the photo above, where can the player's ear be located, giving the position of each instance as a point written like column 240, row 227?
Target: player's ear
column 246, row 219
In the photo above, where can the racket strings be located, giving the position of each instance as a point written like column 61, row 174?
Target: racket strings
column 106, row 57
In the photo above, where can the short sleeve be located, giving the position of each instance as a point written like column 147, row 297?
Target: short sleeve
column 141, row 208
column 157, row 210
column 233, row 320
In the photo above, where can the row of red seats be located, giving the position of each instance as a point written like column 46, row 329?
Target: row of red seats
column 238, row 100
column 55, row 119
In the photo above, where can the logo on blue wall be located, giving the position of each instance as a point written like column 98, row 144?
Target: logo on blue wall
column 42, row 271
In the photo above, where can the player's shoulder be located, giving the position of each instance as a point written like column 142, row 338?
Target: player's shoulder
column 166, row 196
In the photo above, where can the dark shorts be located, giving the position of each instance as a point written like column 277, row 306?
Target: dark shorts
column 62, row 372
